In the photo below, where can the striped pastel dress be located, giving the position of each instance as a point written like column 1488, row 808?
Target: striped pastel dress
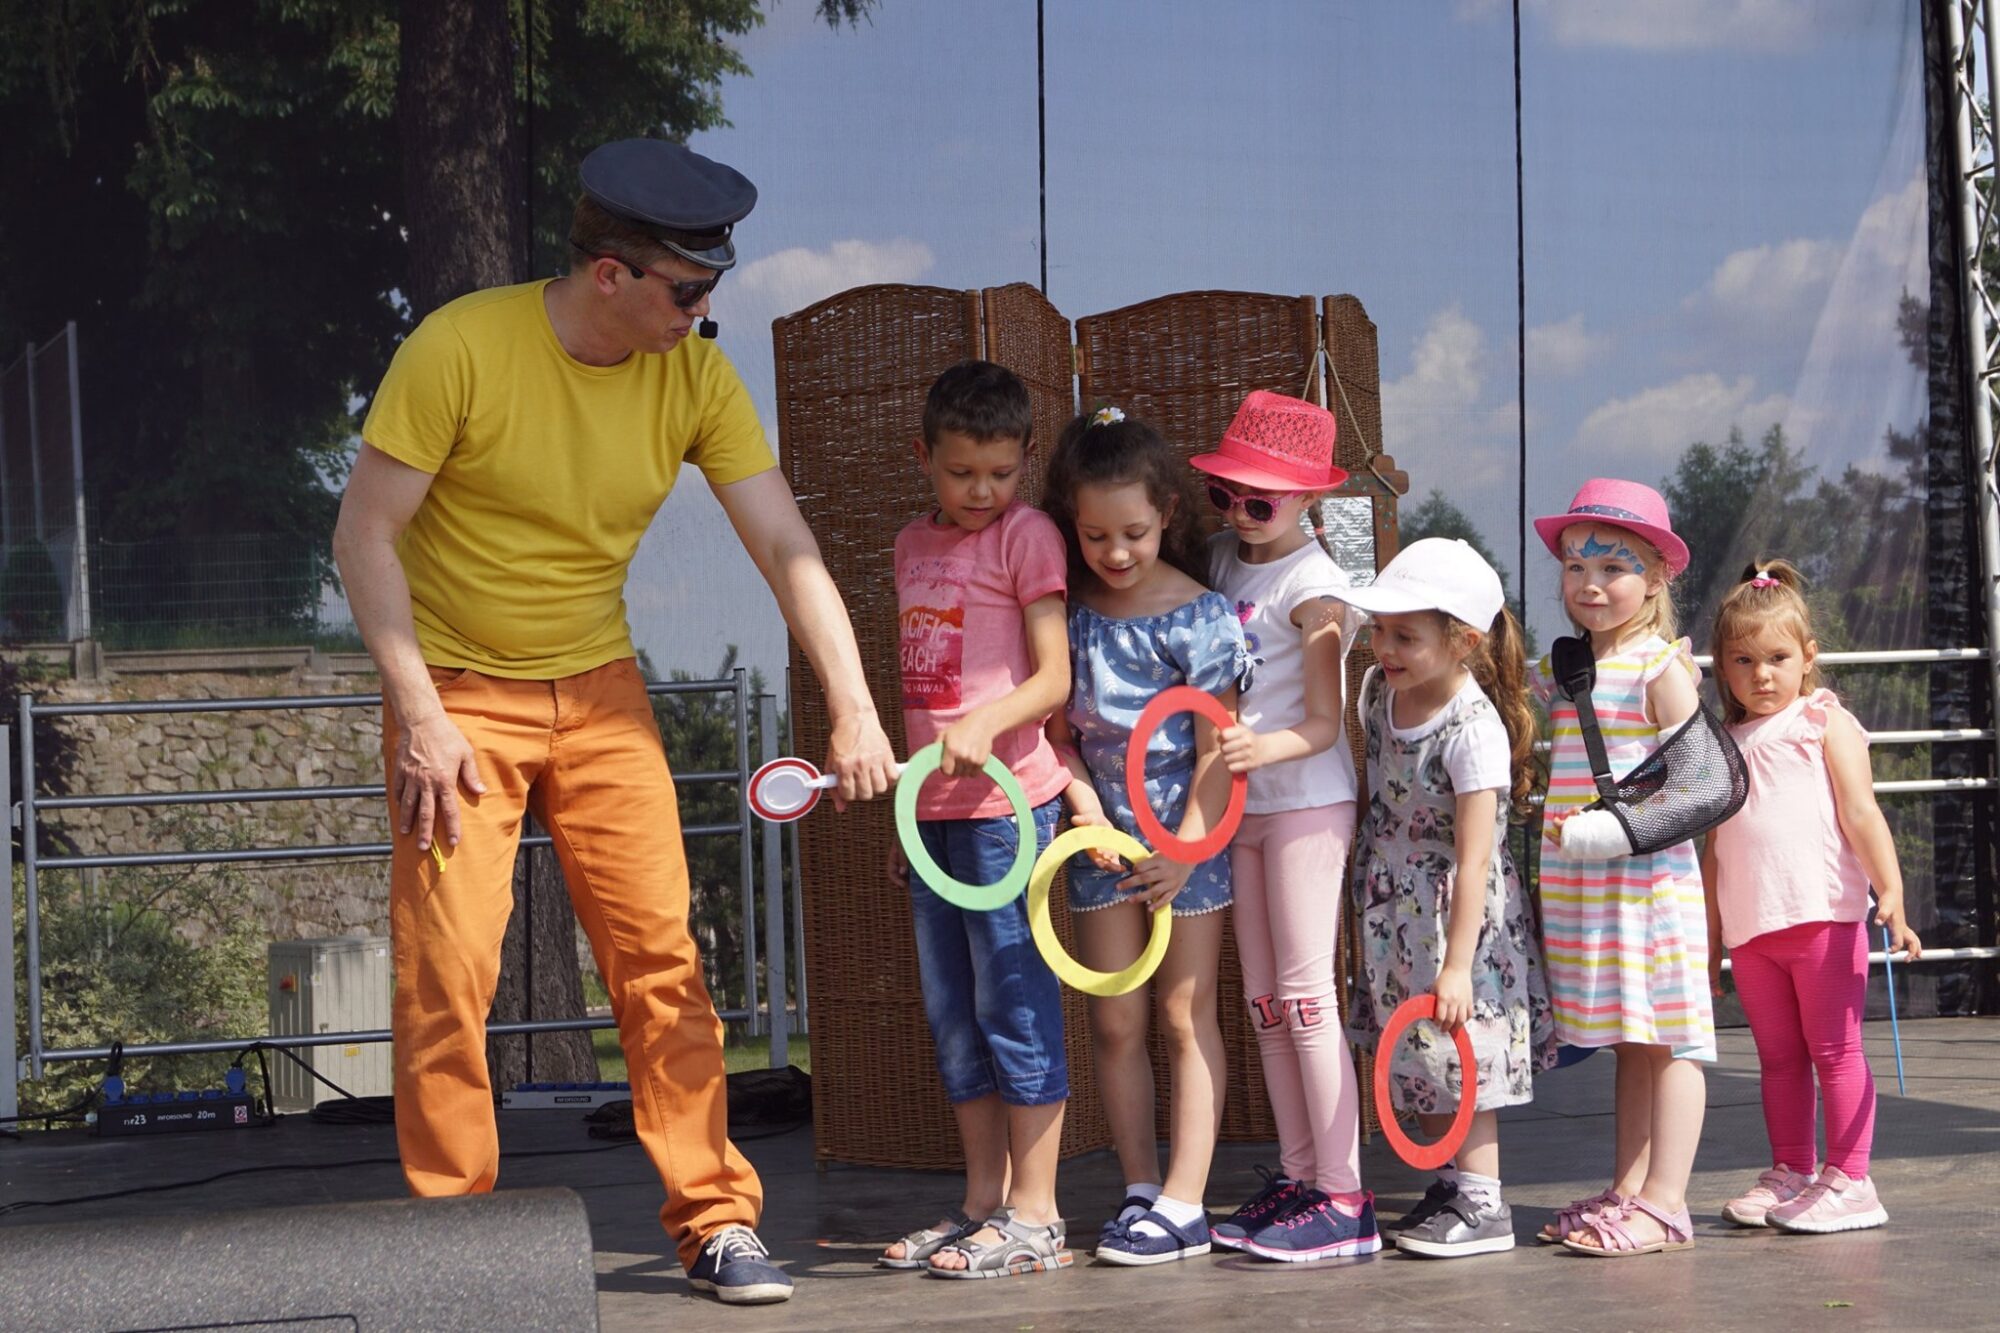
column 1627, row 939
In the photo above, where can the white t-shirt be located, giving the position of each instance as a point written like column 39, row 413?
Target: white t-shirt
column 1477, row 756
column 1275, row 696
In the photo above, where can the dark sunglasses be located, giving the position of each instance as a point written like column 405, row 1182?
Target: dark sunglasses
column 685, row 294
column 1257, row 507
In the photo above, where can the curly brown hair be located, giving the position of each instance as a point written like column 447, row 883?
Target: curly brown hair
column 1118, row 453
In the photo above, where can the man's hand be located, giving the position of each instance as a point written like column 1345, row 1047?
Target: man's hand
column 433, row 759
column 899, row 866
column 858, row 754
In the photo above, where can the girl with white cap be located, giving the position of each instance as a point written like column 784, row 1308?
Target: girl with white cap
column 1449, row 732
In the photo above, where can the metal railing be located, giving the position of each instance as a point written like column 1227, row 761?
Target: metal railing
column 770, row 1019
column 1899, row 657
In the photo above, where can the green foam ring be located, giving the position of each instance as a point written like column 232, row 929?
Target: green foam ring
column 971, row 897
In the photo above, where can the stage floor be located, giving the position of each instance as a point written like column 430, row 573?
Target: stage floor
column 1937, row 1164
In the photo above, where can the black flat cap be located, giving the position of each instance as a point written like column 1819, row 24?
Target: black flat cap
column 681, row 199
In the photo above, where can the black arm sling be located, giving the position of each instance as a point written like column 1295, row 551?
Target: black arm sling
column 1695, row 780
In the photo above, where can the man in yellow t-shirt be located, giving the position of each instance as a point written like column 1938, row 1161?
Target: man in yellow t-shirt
column 516, row 451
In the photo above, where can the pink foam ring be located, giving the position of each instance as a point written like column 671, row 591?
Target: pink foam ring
column 788, row 771
column 1180, row 699
column 1424, row 1156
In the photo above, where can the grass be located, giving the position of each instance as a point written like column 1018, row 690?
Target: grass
column 739, row 1052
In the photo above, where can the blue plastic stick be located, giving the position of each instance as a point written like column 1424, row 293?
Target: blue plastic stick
column 1895, row 1029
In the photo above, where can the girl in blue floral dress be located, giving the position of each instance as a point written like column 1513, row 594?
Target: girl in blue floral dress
column 1142, row 620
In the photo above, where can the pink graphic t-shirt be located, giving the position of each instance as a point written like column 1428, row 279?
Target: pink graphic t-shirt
column 962, row 642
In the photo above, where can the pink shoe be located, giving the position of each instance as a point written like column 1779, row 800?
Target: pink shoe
column 1831, row 1203
column 1777, row 1186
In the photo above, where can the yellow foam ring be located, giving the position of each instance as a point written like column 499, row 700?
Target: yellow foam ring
column 1088, row 980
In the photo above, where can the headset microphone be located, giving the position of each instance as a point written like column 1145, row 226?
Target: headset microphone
column 706, row 329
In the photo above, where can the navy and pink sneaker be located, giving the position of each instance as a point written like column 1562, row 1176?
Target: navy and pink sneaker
column 1317, row 1229
column 1279, row 1196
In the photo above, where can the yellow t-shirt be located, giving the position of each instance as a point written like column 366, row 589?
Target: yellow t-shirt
column 548, row 472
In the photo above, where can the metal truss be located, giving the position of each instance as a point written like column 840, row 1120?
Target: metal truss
column 1973, row 34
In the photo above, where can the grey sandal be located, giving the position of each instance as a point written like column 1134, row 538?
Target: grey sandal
column 920, row 1245
column 1021, row 1249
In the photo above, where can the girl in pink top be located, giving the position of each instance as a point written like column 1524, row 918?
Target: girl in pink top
column 1787, row 882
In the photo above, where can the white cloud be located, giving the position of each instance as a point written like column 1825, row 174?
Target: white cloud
column 1767, row 287
column 1447, row 368
column 1653, row 426
column 1560, row 350
column 788, row 281
column 1694, row 25
column 1433, row 419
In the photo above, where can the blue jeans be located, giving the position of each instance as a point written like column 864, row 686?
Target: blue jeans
column 994, row 1007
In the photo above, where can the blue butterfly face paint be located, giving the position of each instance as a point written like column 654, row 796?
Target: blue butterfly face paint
column 1604, row 581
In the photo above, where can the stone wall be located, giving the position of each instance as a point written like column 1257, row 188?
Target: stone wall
column 210, row 751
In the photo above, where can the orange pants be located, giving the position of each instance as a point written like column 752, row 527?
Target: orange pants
column 584, row 754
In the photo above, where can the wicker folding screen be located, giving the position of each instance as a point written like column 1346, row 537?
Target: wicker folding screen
column 1184, row 363
column 851, row 373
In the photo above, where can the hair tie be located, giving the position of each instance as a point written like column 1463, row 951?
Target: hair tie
column 1763, row 579
column 1107, row 416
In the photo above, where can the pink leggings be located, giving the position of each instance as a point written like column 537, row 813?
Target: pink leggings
column 1803, row 989
column 1287, row 870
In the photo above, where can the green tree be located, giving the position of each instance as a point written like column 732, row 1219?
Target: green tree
column 226, row 197
column 146, row 955
column 699, row 732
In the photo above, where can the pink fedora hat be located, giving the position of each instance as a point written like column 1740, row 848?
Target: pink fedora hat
column 1618, row 504
column 1276, row 443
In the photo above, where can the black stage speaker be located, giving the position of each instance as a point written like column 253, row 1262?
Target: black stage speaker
column 521, row 1259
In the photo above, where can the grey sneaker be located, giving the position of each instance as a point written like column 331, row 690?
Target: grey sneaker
column 1459, row 1228
column 1427, row 1207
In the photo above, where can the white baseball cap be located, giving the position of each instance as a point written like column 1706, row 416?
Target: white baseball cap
column 1435, row 574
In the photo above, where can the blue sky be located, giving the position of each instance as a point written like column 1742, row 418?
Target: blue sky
column 1723, row 200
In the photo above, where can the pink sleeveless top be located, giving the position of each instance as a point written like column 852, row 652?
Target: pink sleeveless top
column 1783, row 861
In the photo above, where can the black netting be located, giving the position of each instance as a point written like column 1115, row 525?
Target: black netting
column 1694, row 781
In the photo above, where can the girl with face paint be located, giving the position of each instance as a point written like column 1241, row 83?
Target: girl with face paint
column 1626, row 937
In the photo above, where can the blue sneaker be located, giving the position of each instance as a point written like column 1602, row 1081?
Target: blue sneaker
column 1131, row 1247
column 736, row 1267
column 1279, row 1196
column 1317, row 1230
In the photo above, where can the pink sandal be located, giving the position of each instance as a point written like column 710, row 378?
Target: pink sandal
column 1572, row 1218
column 1615, row 1242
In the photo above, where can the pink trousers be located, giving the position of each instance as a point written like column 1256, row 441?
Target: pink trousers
column 1803, row 989
column 1287, row 870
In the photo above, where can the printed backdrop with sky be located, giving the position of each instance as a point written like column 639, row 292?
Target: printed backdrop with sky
column 1724, row 205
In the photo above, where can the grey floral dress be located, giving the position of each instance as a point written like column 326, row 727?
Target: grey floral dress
column 1405, row 864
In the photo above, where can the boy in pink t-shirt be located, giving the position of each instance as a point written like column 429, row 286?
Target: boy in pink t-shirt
column 984, row 652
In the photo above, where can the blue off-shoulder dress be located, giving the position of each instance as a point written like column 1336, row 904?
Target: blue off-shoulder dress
column 1116, row 667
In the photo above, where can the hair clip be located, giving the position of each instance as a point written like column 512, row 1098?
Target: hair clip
column 1763, row 579
column 1107, row 416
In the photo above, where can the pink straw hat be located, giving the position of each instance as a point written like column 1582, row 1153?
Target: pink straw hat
column 1618, row 504
column 1276, row 443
